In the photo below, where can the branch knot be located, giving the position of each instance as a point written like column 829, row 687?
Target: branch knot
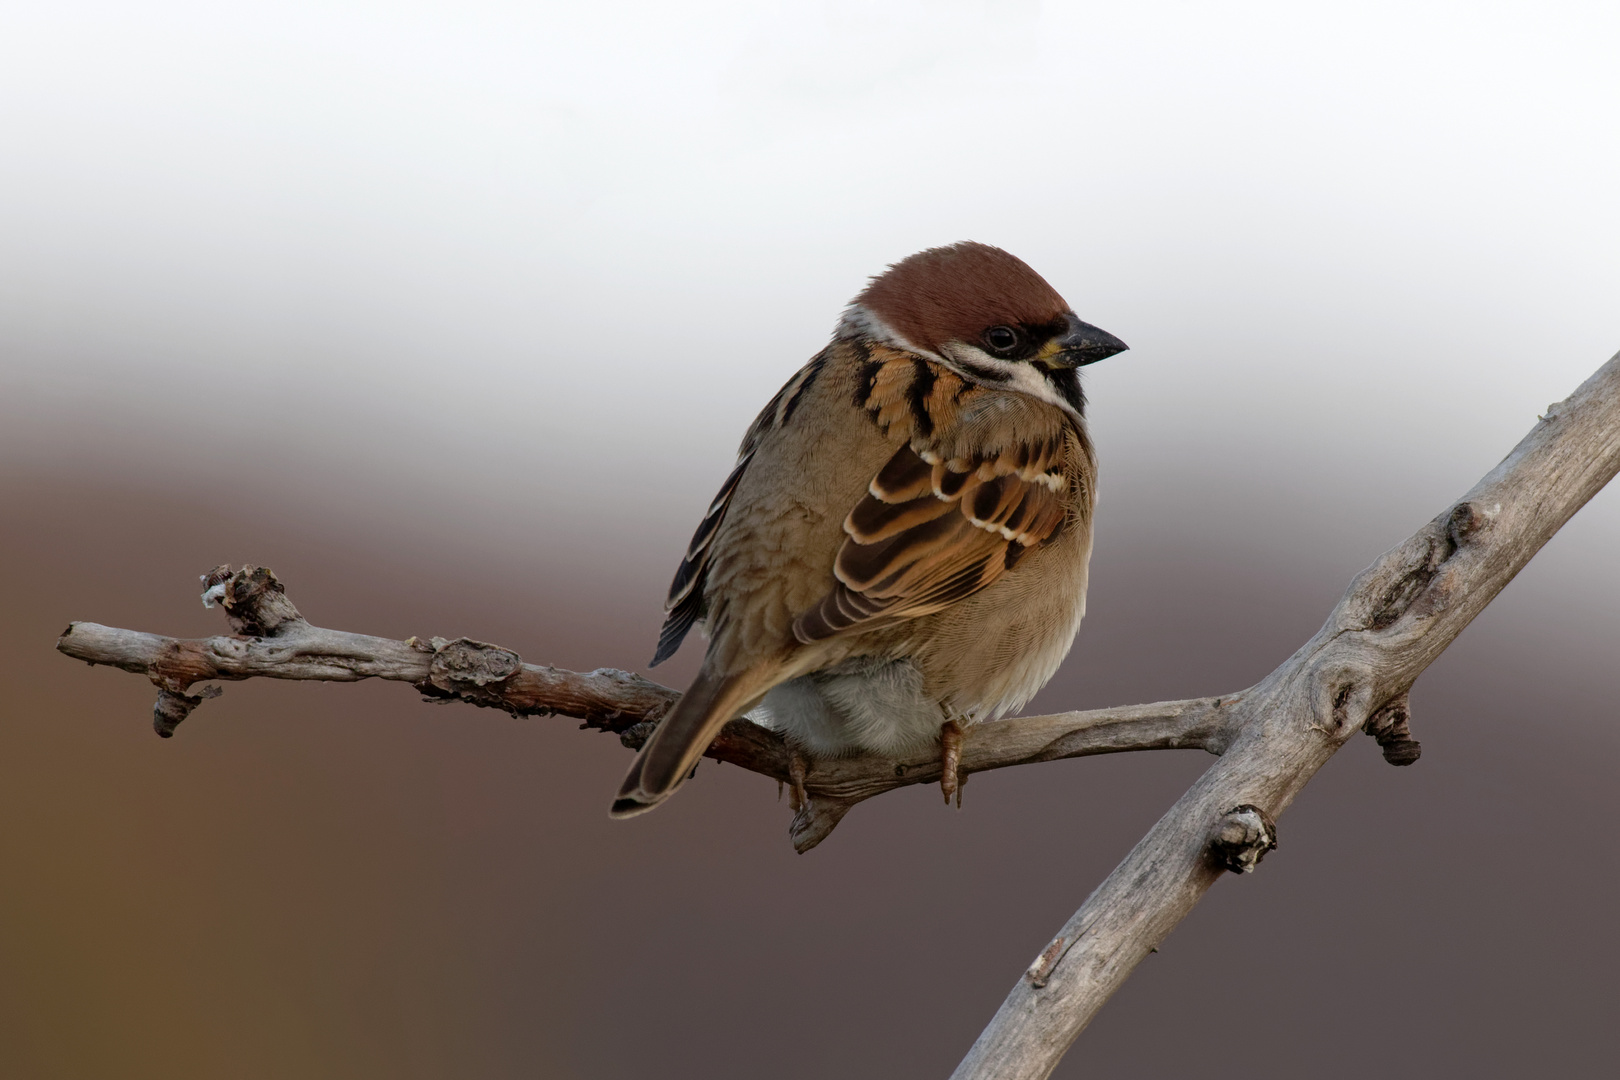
column 173, row 706
column 1390, row 725
column 1242, row 837
column 467, row 661
column 255, row 603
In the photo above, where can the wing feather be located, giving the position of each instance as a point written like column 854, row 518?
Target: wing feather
column 685, row 601
column 931, row 532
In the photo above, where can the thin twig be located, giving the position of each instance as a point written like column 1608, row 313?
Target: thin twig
column 273, row 640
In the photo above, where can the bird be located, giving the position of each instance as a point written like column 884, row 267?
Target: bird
column 902, row 547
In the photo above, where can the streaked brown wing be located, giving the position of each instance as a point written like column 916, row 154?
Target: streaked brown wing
column 685, row 601
column 686, row 593
column 930, row 532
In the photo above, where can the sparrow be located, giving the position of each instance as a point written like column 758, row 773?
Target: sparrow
column 902, row 547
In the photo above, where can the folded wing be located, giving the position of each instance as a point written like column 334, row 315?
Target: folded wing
column 932, row 531
column 685, row 601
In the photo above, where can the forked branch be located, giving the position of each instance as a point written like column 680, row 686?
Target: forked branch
column 1396, row 619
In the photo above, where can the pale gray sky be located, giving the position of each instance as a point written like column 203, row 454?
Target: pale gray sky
column 590, row 236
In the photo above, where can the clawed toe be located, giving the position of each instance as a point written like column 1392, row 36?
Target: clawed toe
column 950, row 762
column 796, row 771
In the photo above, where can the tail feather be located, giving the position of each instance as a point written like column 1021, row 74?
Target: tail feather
column 681, row 737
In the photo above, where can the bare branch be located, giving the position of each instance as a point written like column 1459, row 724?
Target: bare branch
column 1397, row 617
column 273, row 640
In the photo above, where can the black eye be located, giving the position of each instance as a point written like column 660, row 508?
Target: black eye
column 1001, row 338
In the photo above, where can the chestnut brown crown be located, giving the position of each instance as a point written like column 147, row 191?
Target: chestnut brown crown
column 955, row 293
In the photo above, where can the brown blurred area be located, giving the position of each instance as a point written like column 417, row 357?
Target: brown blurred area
column 452, row 314
column 342, row 881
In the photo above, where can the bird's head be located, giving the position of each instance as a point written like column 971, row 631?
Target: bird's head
column 984, row 313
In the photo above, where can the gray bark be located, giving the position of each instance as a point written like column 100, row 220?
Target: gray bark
column 1394, row 621
column 274, row 641
column 1354, row 675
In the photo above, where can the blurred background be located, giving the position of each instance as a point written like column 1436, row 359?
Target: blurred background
column 453, row 315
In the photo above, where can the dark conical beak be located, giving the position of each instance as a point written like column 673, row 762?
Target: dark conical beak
column 1083, row 344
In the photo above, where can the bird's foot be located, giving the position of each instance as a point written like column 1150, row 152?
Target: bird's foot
column 796, row 771
column 950, row 762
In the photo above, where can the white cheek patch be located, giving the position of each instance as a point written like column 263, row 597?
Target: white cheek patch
column 859, row 322
column 1015, row 374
